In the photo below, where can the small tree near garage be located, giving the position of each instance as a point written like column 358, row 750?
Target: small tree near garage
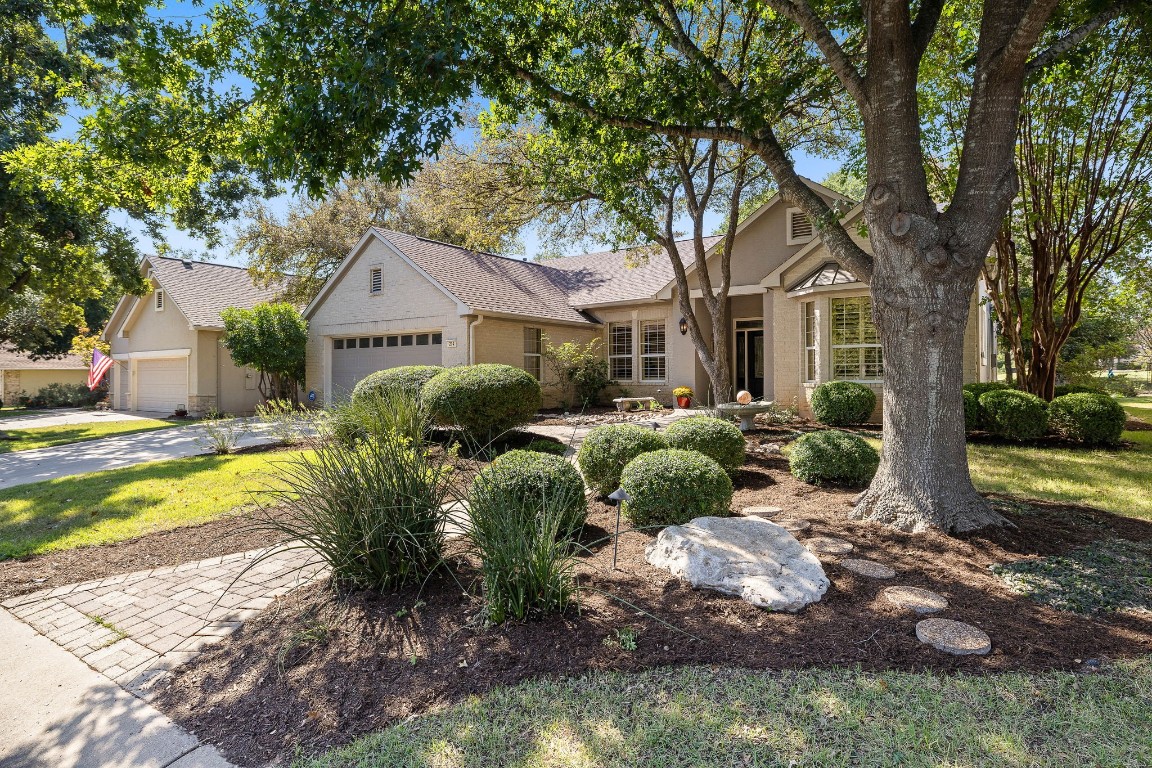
column 270, row 338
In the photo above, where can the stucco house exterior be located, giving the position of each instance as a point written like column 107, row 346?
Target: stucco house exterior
column 166, row 344
column 798, row 317
column 21, row 375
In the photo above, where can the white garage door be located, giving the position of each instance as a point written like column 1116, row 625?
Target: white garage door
column 161, row 385
column 355, row 358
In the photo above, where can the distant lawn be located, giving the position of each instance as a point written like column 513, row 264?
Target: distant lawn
column 119, row 504
column 727, row 717
column 1140, row 407
column 12, row 412
column 48, row 437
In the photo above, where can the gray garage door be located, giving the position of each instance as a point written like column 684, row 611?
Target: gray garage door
column 355, row 357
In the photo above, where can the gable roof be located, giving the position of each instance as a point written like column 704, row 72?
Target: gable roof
column 774, row 279
column 202, row 291
column 11, row 360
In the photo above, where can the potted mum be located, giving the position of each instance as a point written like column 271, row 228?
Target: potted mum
column 683, row 396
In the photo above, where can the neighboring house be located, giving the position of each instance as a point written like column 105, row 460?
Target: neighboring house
column 798, row 317
column 166, row 344
column 20, row 374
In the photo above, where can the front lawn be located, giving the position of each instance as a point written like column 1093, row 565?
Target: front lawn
column 1139, row 407
column 12, row 412
column 836, row 717
column 118, row 504
column 49, row 437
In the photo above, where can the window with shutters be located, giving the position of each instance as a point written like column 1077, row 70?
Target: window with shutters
column 856, row 353
column 800, row 229
column 620, row 351
column 653, row 360
column 376, row 280
column 533, row 352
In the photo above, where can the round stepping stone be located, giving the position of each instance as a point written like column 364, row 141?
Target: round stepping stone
column 915, row 599
column 765, row 512
column 792, row 525
column 827, row 545
column 953, row 637
column 869, row 568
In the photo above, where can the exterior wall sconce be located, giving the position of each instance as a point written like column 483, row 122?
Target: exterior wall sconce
column 683, row 327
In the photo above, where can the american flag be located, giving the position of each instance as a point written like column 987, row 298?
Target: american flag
column 100, row 365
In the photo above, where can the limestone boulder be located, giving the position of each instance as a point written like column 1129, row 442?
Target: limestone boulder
column 750, row 557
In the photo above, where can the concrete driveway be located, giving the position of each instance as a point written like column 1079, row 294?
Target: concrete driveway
column 59, row 417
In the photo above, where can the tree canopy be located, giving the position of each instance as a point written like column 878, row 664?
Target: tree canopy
column 272, row 338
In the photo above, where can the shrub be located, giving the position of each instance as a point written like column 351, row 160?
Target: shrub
column 718, row 439
column 832, row 456
column 529, row 478
column 547, row 446
column 972, row 413
column 978, row 388
column 672, row 486
column 608, row 449
column 838, row 403
column 581, row 371
column 64, row 396
column 1073, row 389
column 405, row 378
column 1119, row 385
column 287, row 422
column 483, row 400
column 1013, row 414
column 1089, row 417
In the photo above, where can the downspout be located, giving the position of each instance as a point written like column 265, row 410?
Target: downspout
column 472, row 339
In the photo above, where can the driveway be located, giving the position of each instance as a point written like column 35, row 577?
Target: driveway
column 22, row 467
column 59, row 417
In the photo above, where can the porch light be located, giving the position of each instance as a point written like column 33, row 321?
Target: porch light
column 683, row 326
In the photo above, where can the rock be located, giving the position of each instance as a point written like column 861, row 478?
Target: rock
column 793, row 525
column 869, row 568
column 750, row 557
column 764, row 512
column 827, row 545
column 915, row 599
column 953, row 637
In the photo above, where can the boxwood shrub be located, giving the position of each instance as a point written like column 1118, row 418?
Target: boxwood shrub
column 531, row 480
column 484, row 400
column 1073, row 389
column 1013, row 414
column 608, row 449
column 972, row 413
column 838, row 403
column 718, row 439
column 672, row 486
column 409, row 379
column 1089, row 417
column 832, row 456
column 978, row 388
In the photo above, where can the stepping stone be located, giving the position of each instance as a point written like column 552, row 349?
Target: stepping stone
column 869, row 568
column 953, row 637
column 915, row 599
column 827, row 545
column 793, row 525
column 765, row 512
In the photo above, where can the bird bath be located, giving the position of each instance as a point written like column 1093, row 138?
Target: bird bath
column 746, row 412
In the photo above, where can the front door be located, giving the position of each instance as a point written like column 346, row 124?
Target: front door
column 749, row 353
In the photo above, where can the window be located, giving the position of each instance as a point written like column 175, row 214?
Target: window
column 365, row 342
column 393, row 341
column 620, row 351
column 421, row 339
column 533, row 346
column 158, row 298
column 800, row 229
column 809, row 341
column 653, row 363
column 437, row 338
column 337, row 343
column 856, row 353
column 406, row 340
column 375, row 280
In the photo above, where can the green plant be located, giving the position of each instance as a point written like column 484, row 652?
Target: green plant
column 683, row 392
column 287, row 422
column 1073, row 389
column 406, row 378
column 220, row 435
column 832, row 456
column 484, row 400
column 838, row 403
column 64, row 396
column 272, row 339
column 978, row 388
column 547, row 446
column 972, row 413
column 1013, row 414
column 718, row 439
column 1118, row 385
column 1089, row 417
column 527, row 478
column 375, row 413
column 672, row 486
column 580, row 369
column 608, row 449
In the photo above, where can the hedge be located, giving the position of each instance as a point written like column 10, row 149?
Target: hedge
column 839, row 403
column 483, row 400
column 1093, row 418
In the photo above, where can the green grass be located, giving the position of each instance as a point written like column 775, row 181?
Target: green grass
column 118, row 504
column 1139, row 407
column 706, row 717
column 12, row 412
column 49, row 437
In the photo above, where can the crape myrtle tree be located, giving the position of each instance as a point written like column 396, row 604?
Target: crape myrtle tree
column 272, row 338
column 370, row 88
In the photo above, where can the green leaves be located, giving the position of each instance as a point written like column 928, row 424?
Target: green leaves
column 269, row 337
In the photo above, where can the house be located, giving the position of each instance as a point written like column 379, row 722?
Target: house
column 166, row 344
column 798, row 317
column 20, row 374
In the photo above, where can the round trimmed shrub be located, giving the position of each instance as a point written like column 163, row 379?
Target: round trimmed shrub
column 407, row 379
column 1074, row 389
column 1089, row 417
column 527, row 480
column 971, row 411
column 608, row 449
column 720, row 440
column 1013, row 414
column 838, row 403
column 979, row 388
column 832, row 456
column 672, row 486
column 484, row 400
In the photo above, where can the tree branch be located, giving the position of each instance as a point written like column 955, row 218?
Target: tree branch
column 924, row 27
column 1073, row 38
column 801, row 14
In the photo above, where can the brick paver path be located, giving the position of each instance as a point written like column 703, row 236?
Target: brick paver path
column 136, row 626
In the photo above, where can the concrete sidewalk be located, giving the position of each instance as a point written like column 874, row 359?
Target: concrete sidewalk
column 57, row 713
column 61, row 417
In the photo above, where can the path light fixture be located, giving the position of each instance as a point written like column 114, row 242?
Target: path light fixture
column 683, row 326
column 615, row 498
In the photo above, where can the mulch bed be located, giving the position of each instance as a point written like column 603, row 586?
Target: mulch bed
column 318, row 669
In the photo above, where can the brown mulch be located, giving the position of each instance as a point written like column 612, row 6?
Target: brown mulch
column 1137, row 425
column 319, row 669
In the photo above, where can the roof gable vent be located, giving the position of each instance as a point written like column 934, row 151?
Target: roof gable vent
column 800, row 229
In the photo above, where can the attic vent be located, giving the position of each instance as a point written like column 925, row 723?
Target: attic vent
column 187, row 263
column 800, row 229
column 158, row 300
column 376, row 280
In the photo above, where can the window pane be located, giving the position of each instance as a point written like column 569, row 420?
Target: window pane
column 437, row 338
column 621, row 369
column 364, row 342
column 337, row 343
column 406, row 340
column 653, row 369
column 393, row 341
column 653, row 339
column 532, row 365
column 620, row 339
column 531, row 341
column 377, row 341
column 810, row 364
column 421, row 339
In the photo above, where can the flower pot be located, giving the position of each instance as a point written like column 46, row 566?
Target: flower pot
column 683, row 402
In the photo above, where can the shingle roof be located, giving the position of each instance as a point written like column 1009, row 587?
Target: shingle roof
column 632, row 274
column 11, row 360
column 202, row 290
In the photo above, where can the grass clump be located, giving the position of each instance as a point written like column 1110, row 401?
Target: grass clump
column 672, row 486
column 608, row 449
column 1106, row 575
column 720, row 440
column 832, row 456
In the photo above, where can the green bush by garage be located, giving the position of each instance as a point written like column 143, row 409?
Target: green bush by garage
column 483, row 400
column 840, row 403
column 408, row 379
column 832, row 456
column 718, row 439
column 672, row 486
column 1092, row 418
column 608, row 449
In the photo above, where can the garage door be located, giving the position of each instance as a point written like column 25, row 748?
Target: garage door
column 355, row 358
column 161, row 385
